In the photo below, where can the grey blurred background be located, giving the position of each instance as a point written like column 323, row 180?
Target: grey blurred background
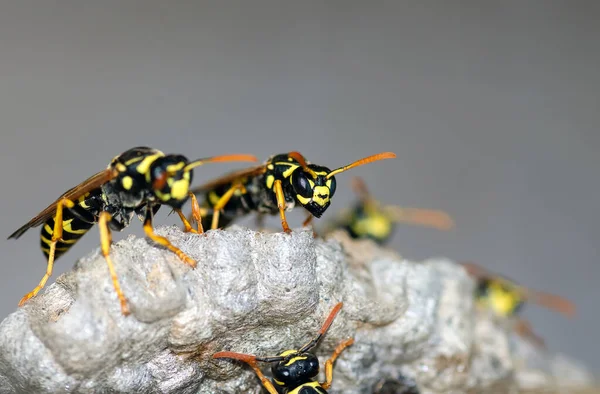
column 492, row 108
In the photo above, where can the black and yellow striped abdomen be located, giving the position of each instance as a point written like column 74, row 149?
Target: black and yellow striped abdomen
column 76, row 222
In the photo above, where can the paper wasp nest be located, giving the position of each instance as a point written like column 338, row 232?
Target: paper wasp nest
column 262, row 293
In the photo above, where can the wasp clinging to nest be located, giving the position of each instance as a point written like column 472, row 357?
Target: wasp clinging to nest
column 137, row 182
column 293, row 370
column 281, row 183
column 506, row 299
column 370, row 219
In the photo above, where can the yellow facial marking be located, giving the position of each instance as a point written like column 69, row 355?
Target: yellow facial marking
column 303, row 200
column 294, row 359
column 144, row 166
column 321, row 191
column 175, row 167
column 269, row 181
column 127, row 182
column 287, row 353
column 311, row 183
column 180, row 188
column 277, row 382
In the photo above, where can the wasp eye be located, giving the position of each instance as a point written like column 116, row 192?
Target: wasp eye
column 159, row 178
column 332, row 185
column 301, row 184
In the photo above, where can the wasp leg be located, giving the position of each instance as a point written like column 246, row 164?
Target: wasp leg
column 308, row 221
column 105, row 241
column 281, row 205
column 196, row 216
column 329, row 363
column 218, row 207
column 263, row 379
column 524, row 329
column 56, row 236
column 196, row 213
column 187, row 227
column 149, row 230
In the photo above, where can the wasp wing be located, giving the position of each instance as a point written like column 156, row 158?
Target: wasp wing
column 230, row 178
column 93, row 182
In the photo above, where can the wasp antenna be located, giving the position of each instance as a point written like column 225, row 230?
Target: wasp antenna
column 323, row 329
column 234, row 157
column 423, row 217
column 300, row 159
column 363, row 161
column 274, row 359
column 248, row 358
column 551, row 301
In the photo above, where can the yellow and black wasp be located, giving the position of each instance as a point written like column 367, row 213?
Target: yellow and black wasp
column 282, row 182
column 505, row 298
column 294, row 370
column 369, row 219
column 137, row 182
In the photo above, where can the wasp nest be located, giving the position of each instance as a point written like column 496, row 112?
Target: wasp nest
column 262, row 293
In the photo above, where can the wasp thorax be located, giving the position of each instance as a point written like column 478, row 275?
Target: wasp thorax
column 170, row 180
column 313, row 190
column 296, row 368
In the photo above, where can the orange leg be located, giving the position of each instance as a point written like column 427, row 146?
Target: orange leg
column 223, row 200
column 524, row 329
column 308, row 220
column 196, row 213
column 196, row 216
column 187, row 227
column 263, row 379
column 329, row 363
column 56, row 236
column 105, row 241
column 149, row 230
column 281, row 205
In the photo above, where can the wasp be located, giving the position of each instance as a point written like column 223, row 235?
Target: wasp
column 281, row 183
column 294, row 370
column 369, row 219
column 136, row 182
column 505, row 298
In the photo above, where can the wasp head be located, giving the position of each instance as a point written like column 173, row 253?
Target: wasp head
column 313, row 189
column 295, row 368
column 170, row 180
column 499, row 296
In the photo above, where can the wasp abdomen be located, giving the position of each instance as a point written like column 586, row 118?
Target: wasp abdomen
column 76, row 221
